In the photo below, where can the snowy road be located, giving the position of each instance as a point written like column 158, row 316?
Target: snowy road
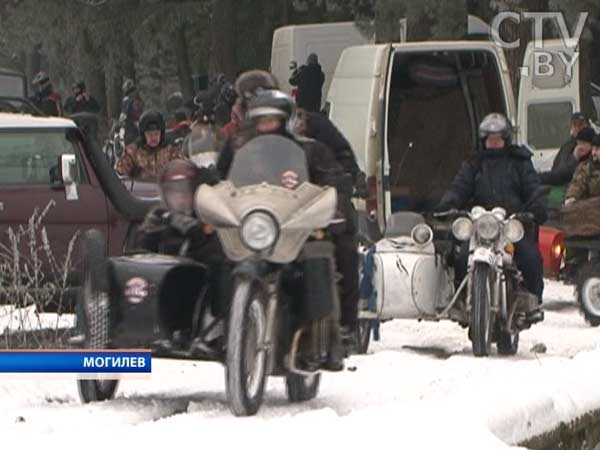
column 419, row 385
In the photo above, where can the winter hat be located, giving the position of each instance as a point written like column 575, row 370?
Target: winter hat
column 587, row 134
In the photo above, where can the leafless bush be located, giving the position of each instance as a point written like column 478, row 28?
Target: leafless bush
column 31, row 278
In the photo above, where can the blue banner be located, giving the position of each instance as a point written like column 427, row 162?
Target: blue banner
column 75, row 361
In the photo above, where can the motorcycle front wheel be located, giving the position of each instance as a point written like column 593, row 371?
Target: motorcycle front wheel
column 246, row 361
column 480, row 330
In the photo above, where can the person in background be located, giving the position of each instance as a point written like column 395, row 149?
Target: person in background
column 586, row 181
column 81, row 101
column 46, row 98
column 132, row 107
column 309, row 79
column 569, row 155
column 145, row 159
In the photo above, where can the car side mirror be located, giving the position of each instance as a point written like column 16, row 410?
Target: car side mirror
column 67, row 165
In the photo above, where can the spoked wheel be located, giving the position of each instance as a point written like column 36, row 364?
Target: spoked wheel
column 246, row 362
column 301, row 388
column 588, row 293
column 480, row 330
column 93, row 318
column 364, row 335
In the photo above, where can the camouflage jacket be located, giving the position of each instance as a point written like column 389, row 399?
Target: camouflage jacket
column 145, row 164
column 586, row 181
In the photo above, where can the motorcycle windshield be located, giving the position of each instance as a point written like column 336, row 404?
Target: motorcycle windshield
column 270, row 159
column 200, row 145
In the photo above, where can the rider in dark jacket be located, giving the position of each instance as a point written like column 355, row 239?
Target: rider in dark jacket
column 502, row 175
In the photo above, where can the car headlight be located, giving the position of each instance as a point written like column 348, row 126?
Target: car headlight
column 462, row 229
column 422, row 234
column 487, row 227
column 259, row 231
column 513, row 230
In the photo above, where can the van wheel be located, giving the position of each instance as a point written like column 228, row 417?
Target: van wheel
column 588, row 292
column 93, row 318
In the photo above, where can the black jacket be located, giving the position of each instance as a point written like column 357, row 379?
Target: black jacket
column 320, row 128
column 309, row 79
column 73, row 106
column 563, row 167
column 497, row 178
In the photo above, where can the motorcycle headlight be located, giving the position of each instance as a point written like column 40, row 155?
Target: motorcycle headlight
column 462, row 229
column 487, row 227
column 499, row 213
column 477, row 212
column 259, row 231
column 422, row 234
column 513, row 230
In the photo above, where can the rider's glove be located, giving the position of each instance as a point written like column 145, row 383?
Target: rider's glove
column 183, row 223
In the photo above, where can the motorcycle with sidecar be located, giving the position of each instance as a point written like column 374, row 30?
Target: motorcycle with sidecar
column 412, row 276
column 283, row 312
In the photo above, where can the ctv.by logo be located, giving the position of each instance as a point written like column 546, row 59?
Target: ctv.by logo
column 543, row 61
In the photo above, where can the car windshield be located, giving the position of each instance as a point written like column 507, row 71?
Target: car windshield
column 269, row 159
column 29, row 156
column 11, row 86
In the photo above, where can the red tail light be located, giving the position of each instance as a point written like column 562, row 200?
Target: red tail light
column 552, row 248
column 372, row 196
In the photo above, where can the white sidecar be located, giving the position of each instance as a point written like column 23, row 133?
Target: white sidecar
column 408, row 279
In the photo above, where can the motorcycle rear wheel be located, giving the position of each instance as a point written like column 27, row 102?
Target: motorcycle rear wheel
column 588, row 292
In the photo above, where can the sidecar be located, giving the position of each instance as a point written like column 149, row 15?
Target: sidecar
column 405, row 274
column 143, row 300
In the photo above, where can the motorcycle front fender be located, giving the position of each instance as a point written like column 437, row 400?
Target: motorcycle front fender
column 484, row 255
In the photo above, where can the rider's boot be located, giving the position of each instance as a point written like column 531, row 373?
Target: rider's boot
column 350, row 338
column 531, row 306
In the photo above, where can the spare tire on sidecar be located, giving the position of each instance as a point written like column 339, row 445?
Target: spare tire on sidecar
column 580, row 223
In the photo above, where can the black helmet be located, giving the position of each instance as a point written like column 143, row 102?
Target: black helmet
column 496, row 123
column 128, row 86
column 596, row 141
column 250, row 82
column 178, row 182
column 79, row 85
column 152, row 120
column 586, row 134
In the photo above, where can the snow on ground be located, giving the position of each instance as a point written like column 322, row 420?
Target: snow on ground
column 419, row 387
column 22, row 319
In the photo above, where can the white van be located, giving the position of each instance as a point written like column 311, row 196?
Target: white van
column 294, row 43
column 411, row 112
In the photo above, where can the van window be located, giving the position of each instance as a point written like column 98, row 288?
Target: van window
column 548, row 124
column 11, row 86
column 29, row 156
column 553, row 75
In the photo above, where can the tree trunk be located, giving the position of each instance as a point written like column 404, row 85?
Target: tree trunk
column 222, row 36
column 184, row 70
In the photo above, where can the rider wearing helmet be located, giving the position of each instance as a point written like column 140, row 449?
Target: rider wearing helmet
column 502, row 175
column 81, row 101
column 146, row 158
column 45, row 97
column 272, row 112
column 172, row 223
column 132, row 107
column 246, row 87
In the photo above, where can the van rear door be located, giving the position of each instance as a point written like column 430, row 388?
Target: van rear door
column 548, row 95
column 356, row 105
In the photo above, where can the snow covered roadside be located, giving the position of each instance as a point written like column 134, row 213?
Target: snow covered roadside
column 419, row 388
